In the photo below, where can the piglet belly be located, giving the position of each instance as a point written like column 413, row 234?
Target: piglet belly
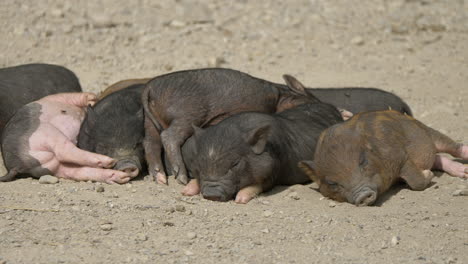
column 65, row 118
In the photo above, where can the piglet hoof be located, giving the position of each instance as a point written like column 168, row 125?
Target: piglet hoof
column 243, row 198
column 160, row 178
column 118, row 177
column 458, row 170
column 192, row 188
column 106, row 162
column 90, row 99
column 345, row 114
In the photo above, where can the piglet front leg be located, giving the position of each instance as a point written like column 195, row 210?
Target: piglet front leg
column 192, row 188
column 248, row 193
column 80, row 173
column 66, row 152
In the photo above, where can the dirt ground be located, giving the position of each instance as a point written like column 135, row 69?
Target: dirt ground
column 415, row 48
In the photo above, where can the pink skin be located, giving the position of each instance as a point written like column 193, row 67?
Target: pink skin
column 161, row 178
column 53, row 143
column 345, row 114
column 192, row 188
column 248, row 193
column 453, row 168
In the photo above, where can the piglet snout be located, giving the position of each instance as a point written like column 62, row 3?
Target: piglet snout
column 127, row 166
column 214, row 193
column 366, row 197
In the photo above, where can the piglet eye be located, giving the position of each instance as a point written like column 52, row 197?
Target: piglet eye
column 236, row 164
column 331, row 183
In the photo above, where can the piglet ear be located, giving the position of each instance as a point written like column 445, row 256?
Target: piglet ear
column 257, row 138
column 90, row 116
column 295, row 85
column 308, row 167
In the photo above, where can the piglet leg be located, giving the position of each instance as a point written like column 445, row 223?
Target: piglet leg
column 172, row 139
column 153, row 151
column 416, row 179
column 248, row 193
column 78, row 173
column 66, row 152
column 453, row 168
column 192, row 188
column 77, row 99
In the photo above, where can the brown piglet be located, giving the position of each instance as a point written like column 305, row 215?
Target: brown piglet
column 358, row 160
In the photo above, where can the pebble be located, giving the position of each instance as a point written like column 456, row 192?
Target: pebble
column 216, row 61
column 267, row 213
column 395, row 240
column 331, row 204
column 100, row 189
column 463, row 192
column 188, row 253
column 106, row 227
column 294, row 196
column 177, row 24
column 191, row 235
column 358, row 41
column 102, row 21
column 56, row 12
column 266, row 231
column 48, row 179
column 141, row 237
column 180, row 208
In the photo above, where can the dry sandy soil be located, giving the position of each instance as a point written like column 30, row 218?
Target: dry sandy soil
column 415, row 48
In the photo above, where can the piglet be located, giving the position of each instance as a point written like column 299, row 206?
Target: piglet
column 358, row 160
column 41, row 139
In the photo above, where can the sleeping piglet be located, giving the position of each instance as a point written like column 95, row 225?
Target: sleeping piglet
column 358, row 160
column 41, row 139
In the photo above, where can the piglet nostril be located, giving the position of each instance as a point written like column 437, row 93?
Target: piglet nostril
column 366, row 198
column 132, row 171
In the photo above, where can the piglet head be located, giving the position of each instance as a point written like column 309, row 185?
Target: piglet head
column 226, row 159
column 344, row 171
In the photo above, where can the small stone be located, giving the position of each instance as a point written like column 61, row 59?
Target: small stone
column 332, row 204
column 358, row 41
column 294, row 196
column 56, row 12
column 191, row 235
column 19, row 30
column 188, row 212
column 451, row 260
column 48, row 179
column 168, row 67
column 141, row 237
column 106, row 227
column 102, row 21
column 177, row 24
column 267, row 213
column 170, row 210
column 463, row 192
column 216, row 61
column 100, row 189
column 266, row 231
column 395, row 240
column 180, row 208
column 168, row 224
column 188, row 253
